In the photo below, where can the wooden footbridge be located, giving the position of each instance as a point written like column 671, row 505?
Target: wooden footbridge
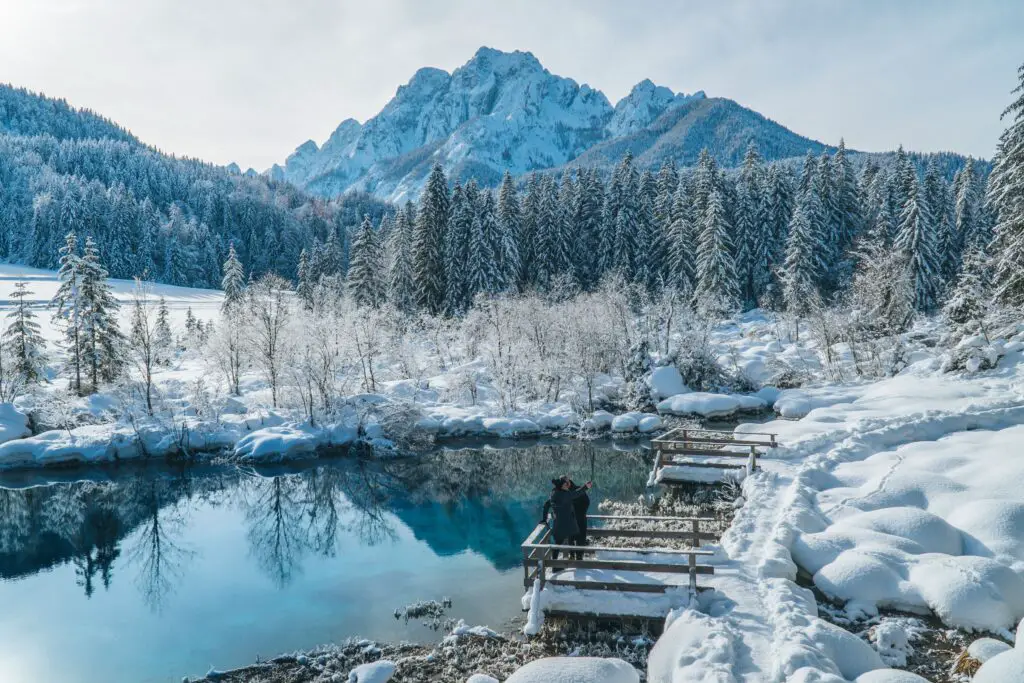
column 644, row 565
column 705, row 455
column 546, row 562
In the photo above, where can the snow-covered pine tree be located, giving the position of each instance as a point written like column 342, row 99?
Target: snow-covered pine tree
column 233, row 280
column 917, row 241
column 650, row 253
column 778, row 213
column 937, row 195
column 530, row 210
column 104, row 343
column 808, row 172
column 682, row 243
column 563, row 250
column 829, row 221
column 1006, row 197
column 717, row 284
column 847, row 199
column 804, row 268
column 22, row 339
column 400, row 284
column 510, row 227
column 304, row 288
column 365, row 279
column 483, row 274
column 666, row 186
column 903, row 181
column 705, row 181
column 749, row 236
column 428, row 243
column 164, row 336
column 966, row 199
column 969, row 301
column 627, row 218
column 69, row 308
column 462, row 213
column 547, row 256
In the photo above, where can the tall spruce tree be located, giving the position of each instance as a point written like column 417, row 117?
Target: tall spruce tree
column 462, row 213
column 401, row 291
column 1006, row 197
column 805, row 266
column 70, row 308
column 233, row 280
column 428, row 243
column 717, row 283
column 483, row 274
column 365, row 277
column 305, row 288
column 510, row 227
column 917, row 241
column 22, row 339
column 682, row 242
column 968, row 302
column 104, row 342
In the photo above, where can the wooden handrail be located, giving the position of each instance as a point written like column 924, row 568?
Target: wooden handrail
column 654, row 519
column 600, row 548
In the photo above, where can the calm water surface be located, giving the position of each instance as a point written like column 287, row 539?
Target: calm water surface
column 148, row 574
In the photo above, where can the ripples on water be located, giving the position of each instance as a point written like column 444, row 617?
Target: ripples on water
column 148, row 573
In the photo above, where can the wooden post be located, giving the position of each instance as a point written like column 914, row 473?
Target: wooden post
column 752, row 464
column 541, row 569
column 693, row 574
column 696, row 534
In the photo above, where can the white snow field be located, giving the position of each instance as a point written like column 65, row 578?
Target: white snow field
column 905, row 492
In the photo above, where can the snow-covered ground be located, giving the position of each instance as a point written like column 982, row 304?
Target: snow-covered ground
column 905, row 492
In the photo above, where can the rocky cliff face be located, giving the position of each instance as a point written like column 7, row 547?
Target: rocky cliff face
column 502, row 111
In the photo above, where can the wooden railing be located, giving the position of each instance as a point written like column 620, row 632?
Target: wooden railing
column 539, row 555
column 710, row 443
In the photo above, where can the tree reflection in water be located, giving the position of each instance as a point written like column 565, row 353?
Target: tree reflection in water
column 484, row 501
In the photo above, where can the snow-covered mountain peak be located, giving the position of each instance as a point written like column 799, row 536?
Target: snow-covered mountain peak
column 644, row 103
column 498, row 111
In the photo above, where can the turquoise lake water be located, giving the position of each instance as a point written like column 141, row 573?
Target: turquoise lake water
column 151, row 573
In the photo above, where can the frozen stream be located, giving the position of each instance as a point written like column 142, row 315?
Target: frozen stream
column 144, row 574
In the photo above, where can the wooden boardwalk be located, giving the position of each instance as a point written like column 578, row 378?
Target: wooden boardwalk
column 704, row 455
column 625, row 569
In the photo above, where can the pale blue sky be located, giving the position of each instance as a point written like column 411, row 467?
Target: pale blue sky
column 248, row 80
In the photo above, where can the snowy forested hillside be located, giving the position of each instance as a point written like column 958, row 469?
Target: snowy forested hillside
column 151, row 214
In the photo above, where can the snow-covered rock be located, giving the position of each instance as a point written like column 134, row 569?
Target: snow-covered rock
column 666, row 381
column 984, row 649
column 575, row 670
column 373, row 672
column 482, row 678
column 510, row 426
column 701, row 403
column 13, row 423
column 648, row 424
column 627, row 422
column 890, row 676
column 1007, row 667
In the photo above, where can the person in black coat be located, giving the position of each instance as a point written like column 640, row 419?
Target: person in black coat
column 581, row 505
column 561, row 503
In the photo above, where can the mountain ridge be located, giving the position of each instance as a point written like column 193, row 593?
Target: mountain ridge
column 504, row 110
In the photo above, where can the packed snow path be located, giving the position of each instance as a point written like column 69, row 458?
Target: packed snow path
column 759, row 624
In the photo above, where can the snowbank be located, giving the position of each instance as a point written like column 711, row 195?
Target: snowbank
column 710, row 405
column 575, row 670
column 374, row 672
column 666, row 381
column 926, row 527
column 13, row 423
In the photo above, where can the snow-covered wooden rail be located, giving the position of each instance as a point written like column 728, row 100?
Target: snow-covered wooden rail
column 608, row 568
column 706, row 455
